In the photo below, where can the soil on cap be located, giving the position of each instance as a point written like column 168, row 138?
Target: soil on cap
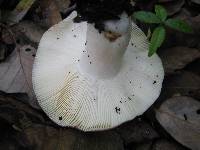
column 98, row 11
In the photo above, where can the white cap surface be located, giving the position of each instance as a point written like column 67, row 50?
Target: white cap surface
column 89, row 100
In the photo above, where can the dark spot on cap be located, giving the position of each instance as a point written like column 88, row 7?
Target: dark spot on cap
column 185, row 116
column 74, row 35
column 136, row 57
column 58, row 38
column 33, row 55
column 154, row 82
column 132, row 44
column 94, row 98
column 120, row 101
column 90, row 62
column 88, row 56
column 69, row 72
column 86, row 43
column 78, row 60
column 151, row 64
column 84, row 51
column 130, row 82
column 117, row 109
column 60, row 118
column 157, row 76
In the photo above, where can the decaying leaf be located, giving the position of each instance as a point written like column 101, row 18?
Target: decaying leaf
column 194, row 67
column 50, row 12
column 164, row 1
column 137, row 131
column 48, row 138
column 183, row 83
column 15, row 73
column 36, row 131
column 20, row 11
column 195, row 23
column 14, row 110
column 62, row 5
column 183, row 39
column 107, row 140
column 180, row 116
column 28, row 31
column 6, row 36
column 195, row 1
column 7, row 41
column 173, row 7
column 10, row 75
column 183, row 14
column 178, row 57
column 143, row 146
column 163, row 144
column 2, row 52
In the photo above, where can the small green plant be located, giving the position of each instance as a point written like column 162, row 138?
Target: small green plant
column 159, row 33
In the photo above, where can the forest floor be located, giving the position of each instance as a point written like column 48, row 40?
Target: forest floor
column 171, row 123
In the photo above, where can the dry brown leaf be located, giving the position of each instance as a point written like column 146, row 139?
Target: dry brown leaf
column 2, row 52
column 50, row 12
column 181, row 119
column 13, row 108
column 29, row 31
column 195, row 23
column 176, row 58
column 15, row 73
column 164, row 1
column 143, row 146
column 62, row 5
column 49, row 138
column 183, row 14
column 183, row 39
column 36, row 131
column 163, row 144
column 183, row 83
column 11, row 80
column 196, row 1
column 20, row 11
column 137, row 131
column 174, row 6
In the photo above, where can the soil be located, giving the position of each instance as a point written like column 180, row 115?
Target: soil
column 98, row 11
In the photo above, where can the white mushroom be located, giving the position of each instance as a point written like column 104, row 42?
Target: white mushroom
column 95, row 81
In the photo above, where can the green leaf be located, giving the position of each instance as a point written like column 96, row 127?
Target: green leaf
column 179, row 25
column 161, row 12
column 157, row 39
column 146, row 17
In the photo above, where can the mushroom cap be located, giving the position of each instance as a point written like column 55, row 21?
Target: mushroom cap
column 72, row 98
